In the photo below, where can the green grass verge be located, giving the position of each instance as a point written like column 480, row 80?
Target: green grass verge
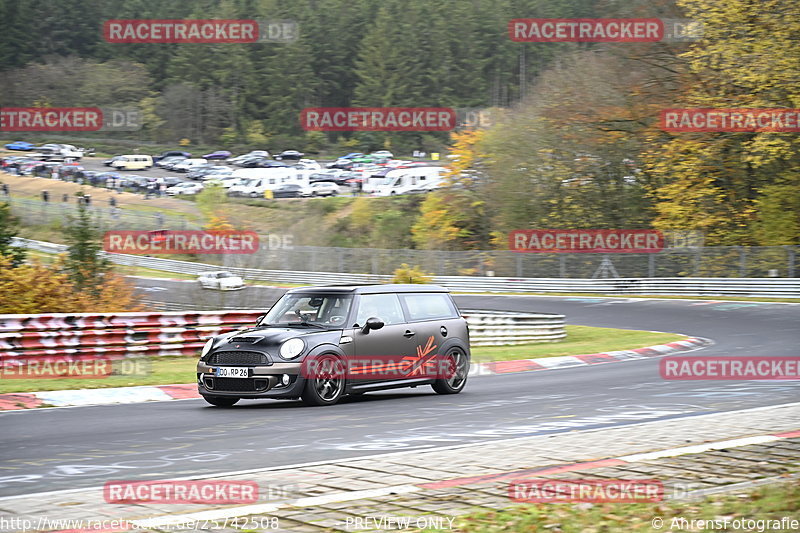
column 767, row 503
column 163, row 371
column 170, row 370
column 580, row 340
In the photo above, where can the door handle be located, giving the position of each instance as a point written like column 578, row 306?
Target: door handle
column 409, row 333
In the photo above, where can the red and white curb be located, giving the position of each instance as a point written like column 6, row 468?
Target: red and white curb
column 158, row 393
column 569, row 361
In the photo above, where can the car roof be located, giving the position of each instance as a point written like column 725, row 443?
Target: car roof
column 370, row 288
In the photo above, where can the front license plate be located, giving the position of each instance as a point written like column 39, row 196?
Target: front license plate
column 232, row 372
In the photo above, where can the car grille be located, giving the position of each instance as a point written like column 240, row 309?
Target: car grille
column 239, row 384
column 238, row 358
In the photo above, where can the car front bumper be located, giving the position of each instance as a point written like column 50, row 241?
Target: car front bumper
column 264, row 382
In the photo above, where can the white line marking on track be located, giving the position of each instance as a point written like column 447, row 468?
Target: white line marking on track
column 393, row 454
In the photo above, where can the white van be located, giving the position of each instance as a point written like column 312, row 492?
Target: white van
column 403, row 180
column 254, row 181
column 132, row 162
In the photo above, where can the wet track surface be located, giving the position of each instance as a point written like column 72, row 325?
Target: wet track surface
column 56, row 449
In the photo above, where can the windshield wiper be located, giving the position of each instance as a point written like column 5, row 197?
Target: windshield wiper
column 312, row 324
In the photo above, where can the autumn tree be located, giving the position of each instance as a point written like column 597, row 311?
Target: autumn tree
column 740, row 188
column 37, row 288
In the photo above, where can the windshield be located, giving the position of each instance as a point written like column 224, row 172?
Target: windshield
column 327, row 310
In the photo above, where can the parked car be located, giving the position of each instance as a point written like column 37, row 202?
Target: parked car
column 261, row 162
column 289, row 154
column 167, row 162
column 335, row 175
column 224, row 172
column 320, row 188
column 290, row 190
column 219, row 155
column 20, row 145
column 254, row 153
column 171, row 153
column 133, row 182
column 185, row 187
column 352, row 155
column 383, row 153
column 308, row 164
column 132, row 162
column 199, row 172
column 321, row 343
column 343, row 164
column 188, row 164
column 221, row 280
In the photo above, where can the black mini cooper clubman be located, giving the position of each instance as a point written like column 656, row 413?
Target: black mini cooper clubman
column 320, row 343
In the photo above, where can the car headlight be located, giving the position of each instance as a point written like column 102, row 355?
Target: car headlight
column 207, row 347
column 292, row 348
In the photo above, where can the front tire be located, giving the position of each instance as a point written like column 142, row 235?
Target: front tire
column 456, row 366
column 221, row 401
column 326, row 384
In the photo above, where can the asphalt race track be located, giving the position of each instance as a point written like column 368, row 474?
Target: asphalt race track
column 69, row 448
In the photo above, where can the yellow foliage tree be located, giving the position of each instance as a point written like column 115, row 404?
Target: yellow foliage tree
column 717, row 182
column 38, row 288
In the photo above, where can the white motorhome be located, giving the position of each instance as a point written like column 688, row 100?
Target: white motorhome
column 255, row 181
column 403, row 180
column 373, row 179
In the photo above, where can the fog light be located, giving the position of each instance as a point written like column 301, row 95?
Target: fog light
column 285, row 379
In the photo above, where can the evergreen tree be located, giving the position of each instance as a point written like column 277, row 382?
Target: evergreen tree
column 8, row 230
column 86, row 267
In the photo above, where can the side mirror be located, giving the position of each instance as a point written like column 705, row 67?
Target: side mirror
column 260, row 319
column 372, row 323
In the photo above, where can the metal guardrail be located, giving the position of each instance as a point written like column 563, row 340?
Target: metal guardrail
column 122, row 335
column 755, row 287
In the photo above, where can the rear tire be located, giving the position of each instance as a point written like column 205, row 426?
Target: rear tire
column 458, row 367
column 221, row 401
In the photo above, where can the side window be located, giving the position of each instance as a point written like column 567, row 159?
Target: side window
column 384, row 306
column 429, row 306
